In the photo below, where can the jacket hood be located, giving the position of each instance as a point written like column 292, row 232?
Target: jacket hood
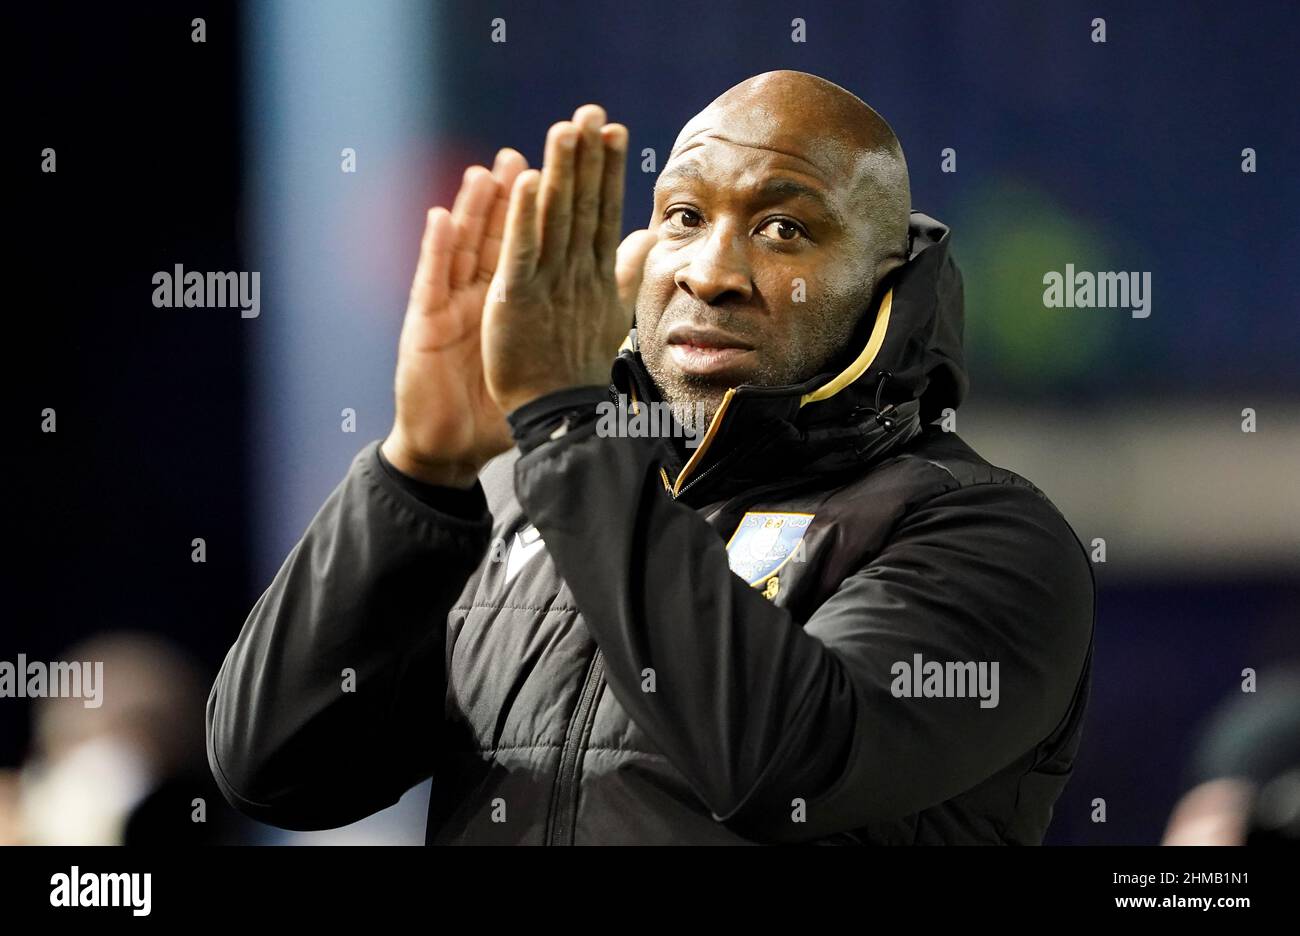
column 900, row 369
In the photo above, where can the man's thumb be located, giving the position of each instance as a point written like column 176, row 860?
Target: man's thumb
column 629, row 265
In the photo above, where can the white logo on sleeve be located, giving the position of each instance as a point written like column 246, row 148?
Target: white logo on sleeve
column 527, row 543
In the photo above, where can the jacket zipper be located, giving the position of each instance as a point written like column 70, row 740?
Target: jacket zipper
column 721, row 462
column 563, row 814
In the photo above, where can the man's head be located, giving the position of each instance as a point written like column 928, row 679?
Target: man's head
column 782, row 205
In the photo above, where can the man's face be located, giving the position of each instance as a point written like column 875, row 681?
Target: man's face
column 763, row 265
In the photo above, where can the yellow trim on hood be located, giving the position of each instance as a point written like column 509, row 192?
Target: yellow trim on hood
column 698, row 455
column 863, row 360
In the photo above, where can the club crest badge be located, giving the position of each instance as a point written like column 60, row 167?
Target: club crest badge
column 764, row 542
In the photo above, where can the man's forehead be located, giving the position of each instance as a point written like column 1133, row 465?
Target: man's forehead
column 820, row 152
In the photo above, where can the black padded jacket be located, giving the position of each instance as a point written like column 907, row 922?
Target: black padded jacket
column 831, row 621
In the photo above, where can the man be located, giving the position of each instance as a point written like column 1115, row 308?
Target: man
column 828, row 621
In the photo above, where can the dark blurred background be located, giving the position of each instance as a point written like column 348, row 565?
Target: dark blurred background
column 174, row 424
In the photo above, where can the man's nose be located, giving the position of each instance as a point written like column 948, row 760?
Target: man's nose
column 719, row 269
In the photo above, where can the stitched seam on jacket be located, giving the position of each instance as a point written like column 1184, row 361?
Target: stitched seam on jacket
column 510, row 607
column 602, row 749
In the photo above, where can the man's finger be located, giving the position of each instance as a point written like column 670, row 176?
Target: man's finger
column 509, row 163
column 630, row 266
column 614, row 137
column 519, row 248
column 587, row 180
column 431, row 287
column 556, row 201
column 470, row 213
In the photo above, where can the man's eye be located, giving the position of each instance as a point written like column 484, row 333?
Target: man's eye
column 782, row 229
column 685, row 217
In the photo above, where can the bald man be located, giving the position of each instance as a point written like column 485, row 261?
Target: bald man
column 741, row 587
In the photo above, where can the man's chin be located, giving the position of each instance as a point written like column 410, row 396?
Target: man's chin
column 694, row 415
column 694, row 398
column 695, row 406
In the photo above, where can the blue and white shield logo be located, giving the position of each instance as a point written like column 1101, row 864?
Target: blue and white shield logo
column 764, row 542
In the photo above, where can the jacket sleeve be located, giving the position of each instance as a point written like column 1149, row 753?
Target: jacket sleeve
column 757, row 712
column 329, row 705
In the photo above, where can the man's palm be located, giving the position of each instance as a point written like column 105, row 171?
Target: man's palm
column 447, row 424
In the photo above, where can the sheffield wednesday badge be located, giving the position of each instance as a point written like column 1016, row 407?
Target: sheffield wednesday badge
column 764, row 542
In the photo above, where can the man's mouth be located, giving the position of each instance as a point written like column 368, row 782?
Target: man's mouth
column 704, row 350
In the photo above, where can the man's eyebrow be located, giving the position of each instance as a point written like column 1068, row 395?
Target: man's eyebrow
column 774, row 189
column 780, row 188
column 685, row 172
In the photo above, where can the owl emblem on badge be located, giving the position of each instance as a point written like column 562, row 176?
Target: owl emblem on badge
column 763, row 543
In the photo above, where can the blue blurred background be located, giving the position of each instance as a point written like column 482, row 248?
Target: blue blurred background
column 1122, row 155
